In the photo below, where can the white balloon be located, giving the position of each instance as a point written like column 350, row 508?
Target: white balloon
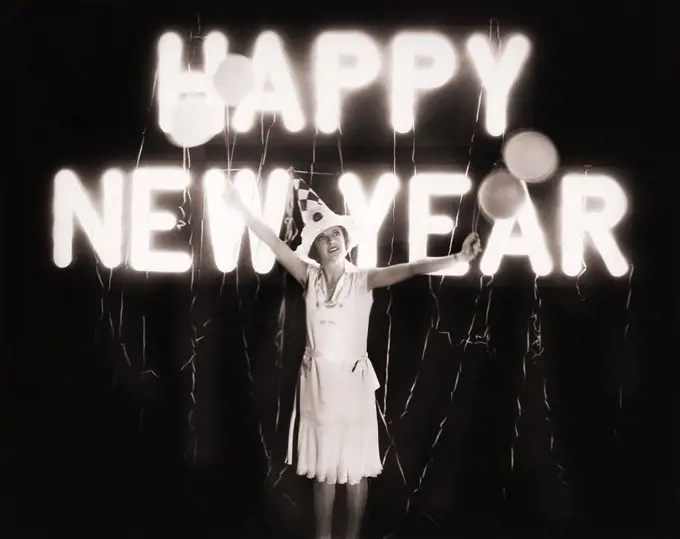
column 530, row 156
column 194, row 123
column 501, row 195
column 234, row 78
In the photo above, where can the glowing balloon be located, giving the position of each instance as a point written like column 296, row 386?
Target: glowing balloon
column 530, row 156
column 194, row 123
column 501, row 195
column 234, row 78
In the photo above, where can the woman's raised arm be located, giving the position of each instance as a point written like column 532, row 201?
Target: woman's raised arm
column 284, row 254
column 382, row 277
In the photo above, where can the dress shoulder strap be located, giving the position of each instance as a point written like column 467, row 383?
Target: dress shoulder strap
column 311, row 275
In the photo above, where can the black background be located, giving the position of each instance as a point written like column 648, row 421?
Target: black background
column 96, row 444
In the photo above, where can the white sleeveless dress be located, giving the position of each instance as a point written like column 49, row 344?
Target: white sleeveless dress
column 338, row 423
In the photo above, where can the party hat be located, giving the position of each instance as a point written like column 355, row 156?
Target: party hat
column 317, row 217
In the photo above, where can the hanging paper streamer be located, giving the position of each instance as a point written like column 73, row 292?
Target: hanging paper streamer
column 264, row 140
column 290, row 233
column 246, row 347
column 535, row 336
column 191, row 440
column 518, row 408
column 530, row 156
column 429, row 329
column 584, row 266
column 234, row 78
column 532, row 350
column 484, row 338
column 434, row 324
column 106, row 309
column 625, row 335
column 388, row 309
column 477, row 338
column 382, row 409
column 388, row 312
column 501, row 195
column 194, row 286
column 193, row 122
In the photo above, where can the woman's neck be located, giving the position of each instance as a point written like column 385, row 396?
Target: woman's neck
column 334, row 270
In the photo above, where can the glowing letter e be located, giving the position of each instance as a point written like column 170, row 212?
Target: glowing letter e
column 145, row 221
column 331, row 77
column 576, row 221
column 407, row 48
column 422, row 223
column 71, row 202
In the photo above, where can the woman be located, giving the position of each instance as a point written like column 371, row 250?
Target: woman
column 338, row 429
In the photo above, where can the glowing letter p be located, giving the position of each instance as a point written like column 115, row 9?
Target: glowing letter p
column 331, row 77
column 407, row 76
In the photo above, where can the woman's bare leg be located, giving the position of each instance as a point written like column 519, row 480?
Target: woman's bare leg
column 356, row 503
column 324, row 497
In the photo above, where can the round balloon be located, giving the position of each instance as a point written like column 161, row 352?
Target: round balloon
column 530, row 156
column 234, row 78
column 194, row 123
column 501, row 195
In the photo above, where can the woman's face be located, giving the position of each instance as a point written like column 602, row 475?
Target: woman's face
column 330, row 245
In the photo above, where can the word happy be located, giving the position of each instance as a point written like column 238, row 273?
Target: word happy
column 226, row 228
column 343, row 62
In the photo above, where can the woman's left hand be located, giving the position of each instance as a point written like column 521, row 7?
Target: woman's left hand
column 472, row 246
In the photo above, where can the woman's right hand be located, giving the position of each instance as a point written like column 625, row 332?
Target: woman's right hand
column 284, row 254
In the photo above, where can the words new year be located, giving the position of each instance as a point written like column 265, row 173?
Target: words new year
column 268, row 199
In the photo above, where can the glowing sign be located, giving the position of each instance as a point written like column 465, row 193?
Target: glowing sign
column 191, row 111
column 227, row 228
column 422, row 189
column 270, row 64
column 344, row 62
column 105, row 231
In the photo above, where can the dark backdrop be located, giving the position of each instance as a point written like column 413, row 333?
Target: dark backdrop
column 166, row 410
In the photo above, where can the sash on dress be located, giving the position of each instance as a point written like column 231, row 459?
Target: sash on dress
column 362, row 365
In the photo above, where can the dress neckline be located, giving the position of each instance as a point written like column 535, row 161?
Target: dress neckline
column 322, row 287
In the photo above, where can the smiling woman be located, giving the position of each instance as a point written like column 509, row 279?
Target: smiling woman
column 540, row 414
column 337, row 441
column 329, row 244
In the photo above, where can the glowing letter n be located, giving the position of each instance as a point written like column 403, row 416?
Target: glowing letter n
column 71, row 202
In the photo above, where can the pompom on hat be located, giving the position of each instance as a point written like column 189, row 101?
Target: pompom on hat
column 317, row 217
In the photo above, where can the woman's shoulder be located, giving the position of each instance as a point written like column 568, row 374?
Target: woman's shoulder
column 313, row 271
column 358, row 276
column 313, row 268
